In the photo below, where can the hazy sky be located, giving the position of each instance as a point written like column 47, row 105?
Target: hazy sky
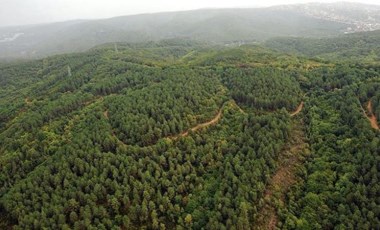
column 19, row 12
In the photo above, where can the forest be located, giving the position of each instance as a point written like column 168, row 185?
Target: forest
column 180, row 134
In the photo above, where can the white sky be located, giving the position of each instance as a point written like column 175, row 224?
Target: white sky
column 19, row 12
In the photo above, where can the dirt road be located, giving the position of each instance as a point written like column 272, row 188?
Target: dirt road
column 298, row 110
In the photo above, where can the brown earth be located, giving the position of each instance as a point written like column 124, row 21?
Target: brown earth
column 372, row 116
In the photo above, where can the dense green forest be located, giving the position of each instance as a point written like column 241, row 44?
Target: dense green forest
column 183, row 135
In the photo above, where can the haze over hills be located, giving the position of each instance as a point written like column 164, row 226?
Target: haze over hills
column 211, row 25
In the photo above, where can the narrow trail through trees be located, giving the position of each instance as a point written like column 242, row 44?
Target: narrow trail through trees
column 208, row 123
column 213, row 121
column 185, row 133
column 202, row 125
column 289, row 159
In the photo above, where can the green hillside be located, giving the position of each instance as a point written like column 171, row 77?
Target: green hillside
column 364, row 47
column 179, row 134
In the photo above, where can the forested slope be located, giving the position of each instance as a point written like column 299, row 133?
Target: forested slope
column 363, row 47
column 95, row 140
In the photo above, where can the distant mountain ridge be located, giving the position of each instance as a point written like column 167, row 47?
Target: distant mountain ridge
column 211, row 25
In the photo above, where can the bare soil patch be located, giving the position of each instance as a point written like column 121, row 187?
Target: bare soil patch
column 372, row 116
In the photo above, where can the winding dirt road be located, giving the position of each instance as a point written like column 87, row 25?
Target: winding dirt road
column 214, row 120
column 202, row 125
column 298, row 110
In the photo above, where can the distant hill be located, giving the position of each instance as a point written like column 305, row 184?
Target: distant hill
column 212, row 25
column 363, row 46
